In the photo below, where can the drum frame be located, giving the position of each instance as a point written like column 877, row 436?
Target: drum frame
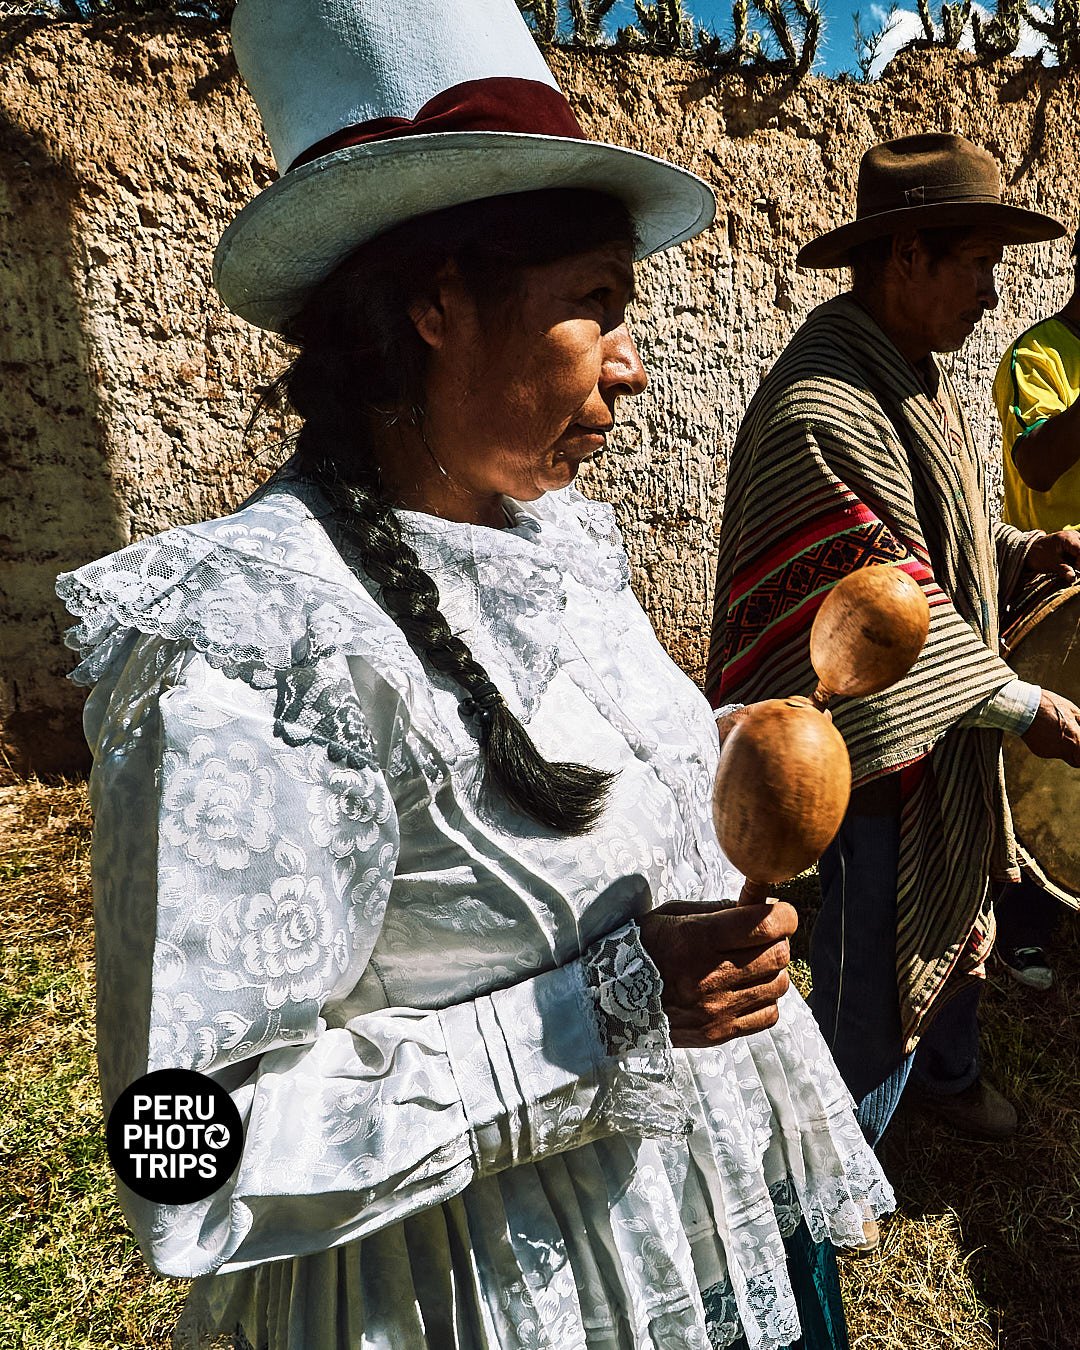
column 1043, row 598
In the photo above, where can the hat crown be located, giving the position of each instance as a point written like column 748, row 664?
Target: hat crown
column 930, row 169
column 315, row 67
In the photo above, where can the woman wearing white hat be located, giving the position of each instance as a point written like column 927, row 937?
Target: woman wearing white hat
column 391, row 773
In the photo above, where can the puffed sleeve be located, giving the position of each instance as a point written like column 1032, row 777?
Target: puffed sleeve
column 243, row 861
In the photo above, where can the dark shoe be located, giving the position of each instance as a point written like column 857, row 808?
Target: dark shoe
column 1027, row 966
column 980, row 1111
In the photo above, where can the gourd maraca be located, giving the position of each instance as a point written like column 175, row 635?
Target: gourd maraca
column 784, row 777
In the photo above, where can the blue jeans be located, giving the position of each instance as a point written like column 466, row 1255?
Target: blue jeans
column 853, row 966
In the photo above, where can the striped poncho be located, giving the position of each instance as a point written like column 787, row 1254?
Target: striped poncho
column 848, row 456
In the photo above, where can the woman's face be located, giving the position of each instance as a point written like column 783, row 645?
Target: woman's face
column 518, row 400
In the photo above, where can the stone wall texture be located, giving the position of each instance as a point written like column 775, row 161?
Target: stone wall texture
column 126, row 385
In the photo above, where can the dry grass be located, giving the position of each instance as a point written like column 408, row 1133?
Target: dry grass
column 983, row 1253
column 71, row 1274
column 985, row 1248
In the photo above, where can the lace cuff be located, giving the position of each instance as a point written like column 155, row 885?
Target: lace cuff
column 625, row 989
column 568, row 1056
column 643, row 1094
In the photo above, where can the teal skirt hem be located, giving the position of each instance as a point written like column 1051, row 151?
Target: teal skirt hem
column 815, row 1282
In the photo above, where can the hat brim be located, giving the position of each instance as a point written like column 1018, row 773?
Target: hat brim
column 295, row 232
column 1013, row 224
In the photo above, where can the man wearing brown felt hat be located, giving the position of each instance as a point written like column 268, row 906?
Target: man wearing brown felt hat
column 855, row 451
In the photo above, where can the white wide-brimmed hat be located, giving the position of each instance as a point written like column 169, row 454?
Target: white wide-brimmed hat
column 381, row 110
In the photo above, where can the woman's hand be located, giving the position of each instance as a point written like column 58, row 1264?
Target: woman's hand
column 723, row 969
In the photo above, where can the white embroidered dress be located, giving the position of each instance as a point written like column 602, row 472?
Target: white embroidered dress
column 465, row 1125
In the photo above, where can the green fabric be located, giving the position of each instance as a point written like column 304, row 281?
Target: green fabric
column 815, row 1282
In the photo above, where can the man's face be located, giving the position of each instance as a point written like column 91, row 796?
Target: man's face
column 948, row 296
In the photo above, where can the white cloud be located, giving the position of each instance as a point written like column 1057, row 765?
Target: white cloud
column 901, row 27
column 904, row 25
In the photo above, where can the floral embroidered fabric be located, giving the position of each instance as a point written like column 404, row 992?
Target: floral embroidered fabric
column 465, row 1123
column 625, row 987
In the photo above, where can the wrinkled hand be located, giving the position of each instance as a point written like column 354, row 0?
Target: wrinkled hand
column 1057, row 553
column 1055, row 732
column 723, row 969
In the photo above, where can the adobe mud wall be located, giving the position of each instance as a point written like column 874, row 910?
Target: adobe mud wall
column 124, row 150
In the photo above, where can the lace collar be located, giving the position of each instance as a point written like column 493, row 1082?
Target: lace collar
column 506, row 589
column 264, row 590
column 578, row 536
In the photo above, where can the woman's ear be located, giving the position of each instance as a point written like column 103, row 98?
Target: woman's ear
column 429, row 320
column 432, row 314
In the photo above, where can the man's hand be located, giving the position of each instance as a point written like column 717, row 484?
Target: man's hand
column 1055, row 732
column 1057, row 553
column 723, row 969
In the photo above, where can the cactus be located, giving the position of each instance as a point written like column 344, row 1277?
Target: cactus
column 796, row 25
column 740, row 20
column 543, row 19
column 999, row 35
column 954, row 20
column 772, row 11
column 745, row 48
column 587, row 20
column 811, row 23
column 1061, row 26
column 664, row 28
column 746, row 45
column 77, row 10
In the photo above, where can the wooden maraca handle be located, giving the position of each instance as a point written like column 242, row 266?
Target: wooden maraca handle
column 784, row 777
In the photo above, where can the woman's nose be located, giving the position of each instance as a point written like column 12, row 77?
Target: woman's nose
column 622, row 372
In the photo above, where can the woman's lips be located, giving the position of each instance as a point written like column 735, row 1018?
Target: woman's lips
column 595, row 436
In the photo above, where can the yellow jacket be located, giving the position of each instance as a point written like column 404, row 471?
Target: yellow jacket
column 1039, row 377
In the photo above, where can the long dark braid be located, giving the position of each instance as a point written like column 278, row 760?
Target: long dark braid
column 361, row 358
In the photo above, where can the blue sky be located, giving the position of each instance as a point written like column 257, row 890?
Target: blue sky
column 836, row 54
column 837, row 51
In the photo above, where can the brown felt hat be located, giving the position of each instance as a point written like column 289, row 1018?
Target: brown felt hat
column 927, row 182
